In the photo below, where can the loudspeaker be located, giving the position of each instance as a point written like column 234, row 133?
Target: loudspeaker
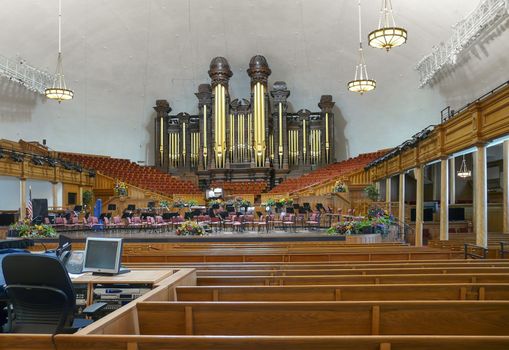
column 40, row 208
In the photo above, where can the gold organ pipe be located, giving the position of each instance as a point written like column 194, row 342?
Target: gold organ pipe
column 205, row 135
column 327, row 137
column 304, row 140
column 216, row 124
column 280, row 148
column 184, row 143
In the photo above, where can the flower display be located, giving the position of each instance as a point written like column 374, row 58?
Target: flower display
column 339, row 187
column 377, row 221
column 190, row 228
column 26, row 229
column 120, row 188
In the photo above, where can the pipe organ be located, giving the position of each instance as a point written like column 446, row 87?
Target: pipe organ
column 243, row 138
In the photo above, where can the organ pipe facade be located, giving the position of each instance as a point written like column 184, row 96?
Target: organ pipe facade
column 243, row 138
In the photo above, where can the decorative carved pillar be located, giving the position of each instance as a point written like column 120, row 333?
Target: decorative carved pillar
column 444, row 199
column 162, row 109
column 419, row 205
column 326, row 104
column 259, row 73
column 401, row 207
column 204, row 96
column 220, row 73
column 388, row 193
column 23, row 197
column 304, row 136
column 280, row 94
column 480, row 197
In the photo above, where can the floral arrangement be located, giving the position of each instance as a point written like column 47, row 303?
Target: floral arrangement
column 377, row 221
column 283, row 202
column 190, row 228
column 26, row 229
column 120, row 188
column 164, row 204
column 339, row 187
column 192, row 203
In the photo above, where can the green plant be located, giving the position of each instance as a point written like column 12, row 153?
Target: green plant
column 26, row 229
column 192, row 203
column 88, row 197
column 164, row 204
column 372, row 192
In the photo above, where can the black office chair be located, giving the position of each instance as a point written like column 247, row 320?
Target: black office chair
column 42, row 295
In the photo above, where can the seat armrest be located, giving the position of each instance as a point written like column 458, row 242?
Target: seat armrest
column 92, row 309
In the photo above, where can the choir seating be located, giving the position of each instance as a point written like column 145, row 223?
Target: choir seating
column 144, row 177
column 241, row 187
column 326, row 173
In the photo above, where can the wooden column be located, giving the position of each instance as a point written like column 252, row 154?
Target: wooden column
column 23, row 197
column 481, row 197
column 452, row 180
column 444, row 199
column 55, row 194
column 505, row 186
column 388, row 194
column 419, row 204
column 80, row 196
column 401, row 215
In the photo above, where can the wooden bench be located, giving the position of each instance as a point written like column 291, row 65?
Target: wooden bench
column 478, row 291
column 137, row 342
column 360, row 279
column 356, row 271
column 325, row 318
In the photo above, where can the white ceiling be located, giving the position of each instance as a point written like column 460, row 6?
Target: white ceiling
column 122, row 55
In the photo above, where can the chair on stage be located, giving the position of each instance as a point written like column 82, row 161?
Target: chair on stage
column 289, row 221
column 313, row 221
column 262, row 222
column 42, row 295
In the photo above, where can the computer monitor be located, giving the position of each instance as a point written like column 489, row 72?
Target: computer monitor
column 102, row 255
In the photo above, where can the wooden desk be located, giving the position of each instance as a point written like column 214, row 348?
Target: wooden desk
column 135, row 276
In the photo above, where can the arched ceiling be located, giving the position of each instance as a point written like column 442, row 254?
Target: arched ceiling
column 122, row 55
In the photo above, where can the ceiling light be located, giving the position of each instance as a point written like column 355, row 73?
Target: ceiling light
column 387, row 35
column 361, row 82
column 464, row 172
column 59, row 91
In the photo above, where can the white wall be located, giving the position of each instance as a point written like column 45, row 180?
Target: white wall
column 10, row 198
column 122, row 55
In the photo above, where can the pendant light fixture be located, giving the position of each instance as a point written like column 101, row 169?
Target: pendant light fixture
column 59, row 91
column 361, row 82
column 387, row 35
column 464, row 172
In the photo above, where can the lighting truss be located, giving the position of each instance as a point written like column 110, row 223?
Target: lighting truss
column 32, row 78
column 465, row 32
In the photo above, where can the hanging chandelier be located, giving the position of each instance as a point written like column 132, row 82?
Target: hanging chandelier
column 59, row 91
column 387, row 35
column 464, row 172
column 361, row 82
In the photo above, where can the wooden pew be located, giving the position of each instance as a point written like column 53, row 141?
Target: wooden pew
column 359, row 279
column 333, row 265
column 477, row 291
column 131, row 342
column 26, row 342
column 325, row 318
column 357, row 271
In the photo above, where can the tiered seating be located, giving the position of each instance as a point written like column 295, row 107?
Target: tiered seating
column 144, row 177
column 326, row 173
column 442, row 304
column 241, row 187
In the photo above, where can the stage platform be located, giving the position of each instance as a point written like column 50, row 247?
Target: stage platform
column 220, row 236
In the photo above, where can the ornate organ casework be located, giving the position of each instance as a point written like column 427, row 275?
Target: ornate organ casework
column 243, row 138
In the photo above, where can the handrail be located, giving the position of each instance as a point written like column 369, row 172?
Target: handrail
column 472, row 254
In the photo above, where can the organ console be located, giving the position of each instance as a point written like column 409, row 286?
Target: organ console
column 243, row 138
